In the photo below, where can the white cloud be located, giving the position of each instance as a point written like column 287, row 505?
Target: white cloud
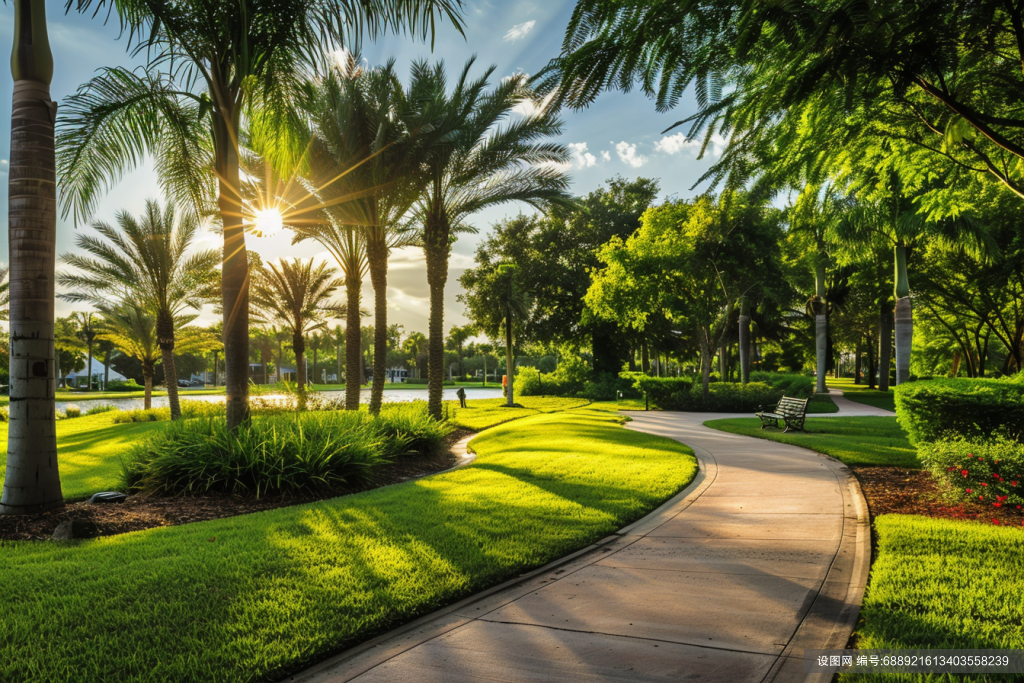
column 606, row 155
column 674, row 144
column 520, row 30
column 580, row 156
column 627, row 153
column 530, row 108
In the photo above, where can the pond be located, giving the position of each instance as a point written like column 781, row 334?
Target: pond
column 390, row 395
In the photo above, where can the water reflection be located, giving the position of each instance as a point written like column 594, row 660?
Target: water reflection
column 390, row 395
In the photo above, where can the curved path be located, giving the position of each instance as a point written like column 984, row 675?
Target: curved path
column 764, row 554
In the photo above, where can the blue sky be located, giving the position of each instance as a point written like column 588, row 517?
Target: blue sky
column 620, row 134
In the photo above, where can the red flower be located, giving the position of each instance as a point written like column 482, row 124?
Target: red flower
column 1013, row 483
column 984, row 483
column 995, row 521
column 970, row 491
column 963, row 472
column 981, row 497
column 998, row 505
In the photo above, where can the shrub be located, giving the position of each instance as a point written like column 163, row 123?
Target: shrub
column 972, row 408
column 189, row 409
column 684, row 393
column 102, row 408
column 311, row 451
column 72, row 411
column 796, row 386
column 987, row 471
column 416, row 380
column 124, row 385
column 5, row 415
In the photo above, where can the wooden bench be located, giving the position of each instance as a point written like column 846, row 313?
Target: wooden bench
column 792, row 411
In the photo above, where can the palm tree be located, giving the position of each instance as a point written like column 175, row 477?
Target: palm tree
column 514, row 305
column 337, row 338
column 457, row 337
column 87, row 333
column 361, row 115
column 32, row 481
column 263, row 340
column 132, row 329
column 148, row 262
column 472, row 162
column 295, row 293
column 216, row 72
column 416, row 346
column 315, row 341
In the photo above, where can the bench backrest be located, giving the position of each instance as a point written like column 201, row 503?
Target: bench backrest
column 792, row 406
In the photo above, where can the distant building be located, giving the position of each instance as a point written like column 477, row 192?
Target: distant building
column 79, row 378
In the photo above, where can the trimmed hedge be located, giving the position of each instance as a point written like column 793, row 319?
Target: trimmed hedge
column 975, row 409
column 686, row 394
column 792, row 385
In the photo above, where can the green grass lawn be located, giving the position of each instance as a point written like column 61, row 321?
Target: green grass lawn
column 946, row 585
column 255, row 597
column 856, row 441
column 487, row 412
column 93, row 395
column 88, row 449
column 861, row 394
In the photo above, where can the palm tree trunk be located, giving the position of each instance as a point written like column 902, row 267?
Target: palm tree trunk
column 315, row 376
column 235, row 271
column 165, row 340
column 32, row 481
column 437, row 277
column 509, row 361
column 216, row 355
column 147, row 380
column 337, row 352
column 884, row 346
column 904, row 318
column 88, row 370
column 744, row 336
column 299, row 347
column 106, row 368
column 377, row 259
column 353, row 343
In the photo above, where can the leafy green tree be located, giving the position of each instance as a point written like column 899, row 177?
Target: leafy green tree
column 32, row 478
column 296, row 294
column 473, row 161
column 415, row 346
column 216, row 73
column 152, row 262
column 457, row 337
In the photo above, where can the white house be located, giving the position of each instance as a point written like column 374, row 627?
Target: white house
column 97, row 370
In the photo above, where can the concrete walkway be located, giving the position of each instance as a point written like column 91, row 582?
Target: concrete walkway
column 764, row 554
column 848, row 408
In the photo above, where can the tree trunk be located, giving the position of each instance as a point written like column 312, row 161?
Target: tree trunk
column 263, row 362
column 645, row 359
column 216, row 358
column 377, row 260
column 337, row 352
column 744, row 337
column 88, row 369
column 436, row 250
column 147, row 380
column 299, row 347
column 857, row 362
column 820, row 325
column 884, row 346
column 106, row 368
column 165, row 340
column 509, row 360
column 705, row 367
column 32, row 481
column 315, row 376
column 353, row 342
column 956, row 364
column 872, row 366
column 235, row 270
column 904, row 317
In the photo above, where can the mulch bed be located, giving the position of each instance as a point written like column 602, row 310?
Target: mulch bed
column 894, row 490
column 146, row 512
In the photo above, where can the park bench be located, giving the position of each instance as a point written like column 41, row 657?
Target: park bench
column 792, row 411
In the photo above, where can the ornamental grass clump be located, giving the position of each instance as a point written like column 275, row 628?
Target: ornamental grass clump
column 270, row 454
column 411, row 424
column 189, row 409
column 990, row 472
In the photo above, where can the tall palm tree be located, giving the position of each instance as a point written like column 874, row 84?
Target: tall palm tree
column 314, row 343
column 132, row 329
column 514, row 304
column 477, row 157
column 149, row 261
column 295, row 293
column 362, row 117
column 32, row 480
column 263, row 340
column 216, row 72
column 87, row 333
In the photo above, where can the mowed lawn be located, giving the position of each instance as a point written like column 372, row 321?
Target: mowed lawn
column 255, row 597
column 856, row 441
column 943, row 584
column 88, row 451
column 861, row 394
column 487, row 412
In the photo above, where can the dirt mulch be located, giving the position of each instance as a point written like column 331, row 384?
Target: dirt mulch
column 146, row 512
column 894, row 490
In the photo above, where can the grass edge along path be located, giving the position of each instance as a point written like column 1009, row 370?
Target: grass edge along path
column 862, row 441
column 256, row 597
column 942, row 584
column 860, row 393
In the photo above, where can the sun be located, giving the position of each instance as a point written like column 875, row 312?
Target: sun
column 268, row 222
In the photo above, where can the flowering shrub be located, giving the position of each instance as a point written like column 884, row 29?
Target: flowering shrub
column 990, row 472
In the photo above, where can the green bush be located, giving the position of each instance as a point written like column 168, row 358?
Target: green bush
column 310, row 451
column 989, row 471
column 793, row 385
column 416, row 380
column 975, row 409
column 102, row 408
column 5, row 415
column 72, row 411
column 189, row 409
column 123, row 385
column 686, row 394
